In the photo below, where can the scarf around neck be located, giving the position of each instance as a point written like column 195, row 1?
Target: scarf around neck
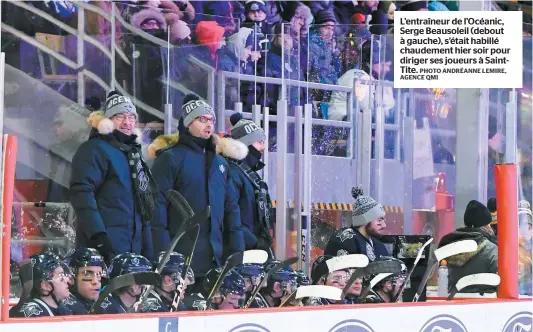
column 144, row 185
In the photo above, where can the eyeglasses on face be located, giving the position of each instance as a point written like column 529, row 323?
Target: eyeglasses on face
column 205, row 119
column 123, row 117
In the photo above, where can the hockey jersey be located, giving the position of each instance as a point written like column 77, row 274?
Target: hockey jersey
column 33, row 308
column 111, row 305
column 155, row 302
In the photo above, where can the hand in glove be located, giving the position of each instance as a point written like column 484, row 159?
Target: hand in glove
column 102, row 243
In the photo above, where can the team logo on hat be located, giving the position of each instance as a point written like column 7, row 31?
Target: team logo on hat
column 194, row 104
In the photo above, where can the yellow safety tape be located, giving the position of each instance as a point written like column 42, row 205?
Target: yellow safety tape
column 341, row 207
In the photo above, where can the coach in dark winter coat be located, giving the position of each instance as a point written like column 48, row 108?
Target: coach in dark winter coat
column 477, row 220
column 192, row 167
column 368, row 224
column 111, row 188
column 244, row 152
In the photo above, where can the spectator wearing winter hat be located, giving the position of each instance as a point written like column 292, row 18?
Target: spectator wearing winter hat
column 324, row 62
column 242, row 55
column 244, row 151
column 241, row 51
column 368, row 224
column 210, row 35
column 111, row 188
column 192, row 167
column 484, row 259
column 150, row 20
column 383, row 18
column 255, row 18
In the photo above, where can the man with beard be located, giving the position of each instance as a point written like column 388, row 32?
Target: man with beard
column 368, row 224
column 111, row 188
column 484, row 259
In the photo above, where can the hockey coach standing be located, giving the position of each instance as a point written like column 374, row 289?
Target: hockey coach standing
column 244, row 152
column 111, row 188
column 192, row 167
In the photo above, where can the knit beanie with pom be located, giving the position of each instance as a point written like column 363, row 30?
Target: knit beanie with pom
column 193, row 107
column 365, row 208
column 246, row 131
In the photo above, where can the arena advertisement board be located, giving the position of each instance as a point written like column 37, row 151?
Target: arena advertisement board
column 456, row 317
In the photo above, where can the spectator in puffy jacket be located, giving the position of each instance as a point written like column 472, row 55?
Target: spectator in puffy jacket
column 111, row 188
column 300, row 18
column 477, row 219
column 383, row 18
column 242, row 55
column 243, row 152
column 255, row 18
column 192, row 167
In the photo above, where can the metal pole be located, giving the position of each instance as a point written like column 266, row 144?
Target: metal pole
column 409, row 126
column 307, row 185
column 81, row 56
column 238, row 107
column 281, row 182
column 511, row 129
column 113, row 32
column 168, row 119
column 364, row 149
column 256, row 114
column 350, row 118
column 168, row 106
column 221, row 104
column 378, row 144
column 298, row 136
column 266, row 128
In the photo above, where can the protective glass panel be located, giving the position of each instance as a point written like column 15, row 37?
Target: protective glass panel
column 47, row 141
column 525, row 152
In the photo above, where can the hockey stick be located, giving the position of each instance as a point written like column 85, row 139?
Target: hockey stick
column 249, row 256
column 380, row 268
column 136, row 278
column 439, row 254
column 321, row 291
column 188, row 260
column 180, row 204
column 399, row 295
column 335, row 264
column 282, row 265
column 347, row 262
column 478, row 279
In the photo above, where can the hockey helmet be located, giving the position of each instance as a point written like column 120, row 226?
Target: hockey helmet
column 129, row 263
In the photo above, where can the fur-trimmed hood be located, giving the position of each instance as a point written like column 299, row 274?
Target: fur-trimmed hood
column 228, row 147
column 477, row 235
column 139, row 17
column 105, row 126
column 232, row 148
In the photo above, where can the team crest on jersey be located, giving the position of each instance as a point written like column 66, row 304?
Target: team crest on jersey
column 342, row 252
column 69, row 301
column 31, row 309
column 135, row 261
column 200, row 305
column 106, row 303
column 346, row 234
column 151, row 304
column 222, row 168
